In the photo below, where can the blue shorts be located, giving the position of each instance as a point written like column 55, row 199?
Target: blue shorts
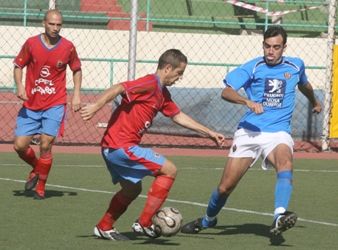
column 132, row 164
column 31, row 122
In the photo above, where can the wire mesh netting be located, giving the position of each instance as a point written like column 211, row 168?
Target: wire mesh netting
column 216, row 36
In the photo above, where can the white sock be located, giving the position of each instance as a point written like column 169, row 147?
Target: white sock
column 209, row 218
column 278, row 211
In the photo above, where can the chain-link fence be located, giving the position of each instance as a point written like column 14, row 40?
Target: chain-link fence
column 215, row 35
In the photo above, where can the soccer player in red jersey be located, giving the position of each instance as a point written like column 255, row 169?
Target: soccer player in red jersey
column 44, row 96
column 127, row 162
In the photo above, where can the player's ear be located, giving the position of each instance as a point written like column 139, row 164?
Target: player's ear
column 284, row 48
column 167, row 68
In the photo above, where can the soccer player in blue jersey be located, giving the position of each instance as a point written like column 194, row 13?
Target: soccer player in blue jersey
column 270, row 84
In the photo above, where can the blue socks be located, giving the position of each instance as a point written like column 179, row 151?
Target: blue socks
column 216, row 203
column 283, row 190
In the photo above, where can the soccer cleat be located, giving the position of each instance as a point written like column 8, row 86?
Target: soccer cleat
column 39, row 195
column 31, row 181
column 112, row 234
column 198, row 225
column 40, row 190
column 147, row 231
column 283, row 222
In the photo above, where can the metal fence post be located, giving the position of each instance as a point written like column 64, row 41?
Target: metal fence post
column 25, row 13
column 52, row 4
column 132, row 40
column 328, row 81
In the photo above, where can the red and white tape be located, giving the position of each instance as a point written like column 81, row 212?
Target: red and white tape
column 265, row 11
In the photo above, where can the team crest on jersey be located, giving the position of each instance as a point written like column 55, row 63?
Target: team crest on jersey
column 287, row 75
column 234, row 148
column 59, row 64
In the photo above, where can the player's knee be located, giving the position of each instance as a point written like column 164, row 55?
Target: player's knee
column 169, row 169
column 19, row 147
column 284, row 165
column 45, row 147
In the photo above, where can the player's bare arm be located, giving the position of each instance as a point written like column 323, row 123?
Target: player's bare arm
column 88, row 111
column 230, row 95
column 186, row 121
column 76, row 100
column 20, row 88
column 307, row 91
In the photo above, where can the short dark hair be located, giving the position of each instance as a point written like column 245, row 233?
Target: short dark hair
column 174, row 57
column 276, row 30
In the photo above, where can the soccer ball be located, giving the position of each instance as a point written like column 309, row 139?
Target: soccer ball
column 167, row 221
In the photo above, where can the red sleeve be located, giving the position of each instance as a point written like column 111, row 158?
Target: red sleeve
column 74, row 62
column 169, row 107
column 24, row 56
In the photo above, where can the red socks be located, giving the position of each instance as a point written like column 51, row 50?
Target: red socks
column 42, row 169
column 157, row 194
column 118, row 205
column 28, row 156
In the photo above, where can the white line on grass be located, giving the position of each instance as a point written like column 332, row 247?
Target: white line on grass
column 178, row 201
column 182, row 168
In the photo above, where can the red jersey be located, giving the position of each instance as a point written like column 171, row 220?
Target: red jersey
column 142, row 100
column 46, row 71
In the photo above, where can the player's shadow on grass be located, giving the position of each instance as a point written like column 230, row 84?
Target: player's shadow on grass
column 141, row 240
column 144, row 240
column 48, row 194
column 253, row 228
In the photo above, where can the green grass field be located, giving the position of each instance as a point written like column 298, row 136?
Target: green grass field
column 79, row 191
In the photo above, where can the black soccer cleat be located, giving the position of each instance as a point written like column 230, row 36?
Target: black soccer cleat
column 32, row 180
column 147, row 231
column 283, row 222
column 196, row 226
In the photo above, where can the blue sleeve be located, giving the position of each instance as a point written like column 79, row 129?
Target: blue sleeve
column 240, row 76
column 302, row 76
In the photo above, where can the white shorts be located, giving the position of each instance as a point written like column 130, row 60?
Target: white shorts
column 247, row 143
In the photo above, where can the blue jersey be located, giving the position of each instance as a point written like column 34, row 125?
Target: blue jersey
column 272, row 86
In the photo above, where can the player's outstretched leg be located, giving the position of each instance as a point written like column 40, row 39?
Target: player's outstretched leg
column 283, row 222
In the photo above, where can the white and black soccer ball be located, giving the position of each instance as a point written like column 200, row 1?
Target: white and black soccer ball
column 167, row 221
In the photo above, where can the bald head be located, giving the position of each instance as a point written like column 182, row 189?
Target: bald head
column 50, row 13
